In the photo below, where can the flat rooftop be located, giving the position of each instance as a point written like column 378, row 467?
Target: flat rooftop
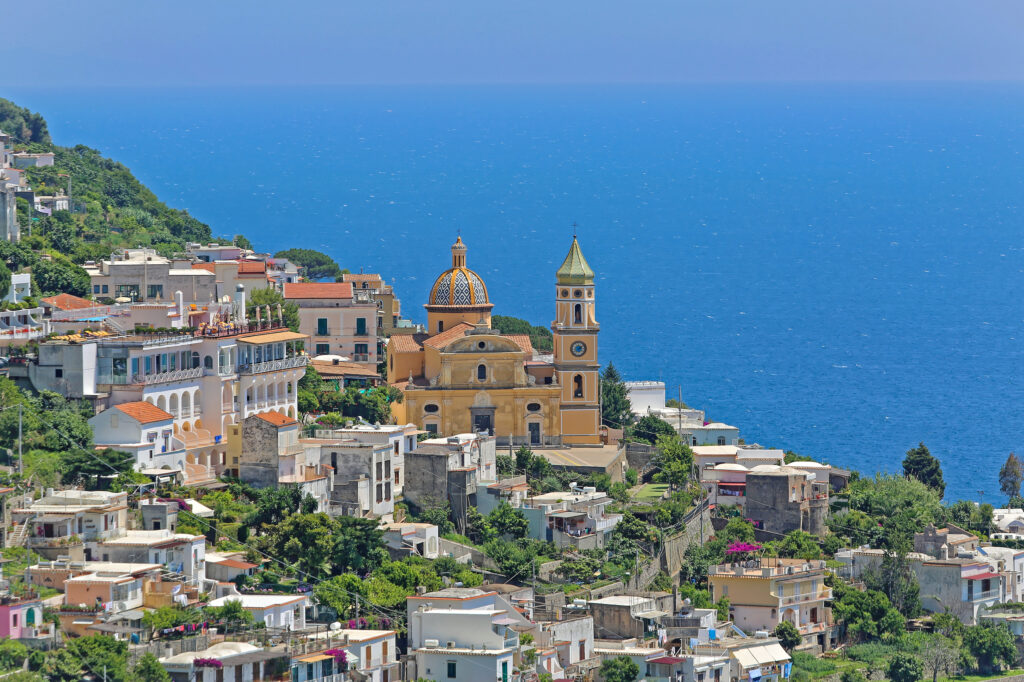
column 580, row 457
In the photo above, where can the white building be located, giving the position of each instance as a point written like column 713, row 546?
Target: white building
column 145, row 431
column 418, row 539
column 286, row 611
column 400, row 438
column 372, row 653
column 180, row 553
column 464, row 644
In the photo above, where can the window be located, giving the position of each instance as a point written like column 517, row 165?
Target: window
column 195, row 360
column 155, row 291
column 321, row 326
column 481, row 345
column 396, row 447
column 384, row 651
column 430, row 428
column 208, row 362
column 58, row 373
column 431, row 409
column 721, row 440
column 361, row 326
column 366, row 655
column 362, row 349
column 565, row 293
column 577, row 315
column 440, row 327
column 95, row 288
column 578, row 293
column 14, row 619
column 481, row 372
column 106, row 289
column 323, row 348
column 577, row 386
column 396, row 476
column 451, row 670
column 533, row 407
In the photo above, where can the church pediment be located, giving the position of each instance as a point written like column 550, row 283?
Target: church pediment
column 482, row 343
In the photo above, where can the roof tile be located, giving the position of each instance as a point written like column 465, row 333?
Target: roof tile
column 276, row 418
column 296, row 290
column 143, row 412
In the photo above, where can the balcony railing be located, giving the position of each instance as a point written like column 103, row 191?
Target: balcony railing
column 801, row 598
column 274, row 365
column 360, row 357
column 981, row 596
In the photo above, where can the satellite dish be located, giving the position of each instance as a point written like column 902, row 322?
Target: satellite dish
column 335, row 626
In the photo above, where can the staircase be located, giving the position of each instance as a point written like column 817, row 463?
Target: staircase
column 118, row 326
column 17, row 535
column 198, row 474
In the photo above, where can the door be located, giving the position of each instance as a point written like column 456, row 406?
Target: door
column 534, row 428
column 482, row 422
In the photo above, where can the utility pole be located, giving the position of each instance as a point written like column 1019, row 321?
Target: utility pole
column 679, row 411
column 21, row 464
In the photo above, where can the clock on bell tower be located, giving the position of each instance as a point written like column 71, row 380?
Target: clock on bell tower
column 575, row 331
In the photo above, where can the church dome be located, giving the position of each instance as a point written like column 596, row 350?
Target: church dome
column 459, row 286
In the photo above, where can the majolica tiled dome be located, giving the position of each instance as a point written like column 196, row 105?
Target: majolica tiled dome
column 458, row 286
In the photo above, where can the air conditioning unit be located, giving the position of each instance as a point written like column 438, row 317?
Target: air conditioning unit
column 431, row 643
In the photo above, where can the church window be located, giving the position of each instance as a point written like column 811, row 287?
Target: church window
column 578, row 293
column 391, row 363
column 481, row 345
column 577, row 315
column 565, row 293
column 430, row 408
column 533, row 407
column 577, row 386
column 440, row 327
column 481, row 372
column 430, row 428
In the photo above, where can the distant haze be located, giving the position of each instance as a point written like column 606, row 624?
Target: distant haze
column 227, row 42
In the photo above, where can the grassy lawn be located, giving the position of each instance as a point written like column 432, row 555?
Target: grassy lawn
column 978, row 678
column 651, row 492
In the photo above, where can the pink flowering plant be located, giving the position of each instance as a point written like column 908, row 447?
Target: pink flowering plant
column 742, row 548
column 207, row 663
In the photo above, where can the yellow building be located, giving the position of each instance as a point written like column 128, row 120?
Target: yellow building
column 764, row 592
column 463, row 376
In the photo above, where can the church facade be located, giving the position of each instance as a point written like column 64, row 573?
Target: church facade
column 463, row 376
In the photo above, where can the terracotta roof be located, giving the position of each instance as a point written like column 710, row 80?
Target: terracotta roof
column 441, row 340
column 318, row 290
column 143, row 412
column 523, row 341
column 407, row 343
column 69, row 302
column 276, row 418
column 234, row 563
column 360, row 277
column 251, row 267
column 203, row 266
column 328, row 368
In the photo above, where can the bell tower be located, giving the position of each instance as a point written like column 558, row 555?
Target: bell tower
column 575, row 331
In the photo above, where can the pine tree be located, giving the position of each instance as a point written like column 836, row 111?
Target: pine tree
column 920, row 464
column 616, row 411
column 1011, row 475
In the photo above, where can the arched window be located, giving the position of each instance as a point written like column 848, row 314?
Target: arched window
column 481, row 372
column 208, row 362
column 577, row 386
column 577, row 315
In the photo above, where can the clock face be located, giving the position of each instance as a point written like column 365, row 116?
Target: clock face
column 578, row 348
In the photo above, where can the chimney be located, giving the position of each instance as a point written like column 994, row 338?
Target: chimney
column 240, row 303
column 179, row 301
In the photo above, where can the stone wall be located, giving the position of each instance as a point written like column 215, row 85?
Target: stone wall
column 696, row 530
column 258, row 464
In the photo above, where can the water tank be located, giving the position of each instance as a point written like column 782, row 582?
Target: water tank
column 430, row 642
column 761, row 634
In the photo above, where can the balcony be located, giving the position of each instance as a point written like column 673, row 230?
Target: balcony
column 982, row 596
column 803, row 598
column 162, row 377
column 360, row 357
column 274, row 365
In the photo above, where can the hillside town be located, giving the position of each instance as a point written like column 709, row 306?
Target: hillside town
column 222, row 465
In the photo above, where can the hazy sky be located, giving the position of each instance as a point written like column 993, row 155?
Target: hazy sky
column 223, row 42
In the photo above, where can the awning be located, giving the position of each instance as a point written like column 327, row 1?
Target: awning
column 982, row 576
column 732, row 484
column 505, row 620
column 314, row 658
column 769, row 654
column 745, row 658
column 276, row 337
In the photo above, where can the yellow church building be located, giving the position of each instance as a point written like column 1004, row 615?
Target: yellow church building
column 463, row 376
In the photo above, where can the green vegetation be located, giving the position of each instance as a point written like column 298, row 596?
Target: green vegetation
column 318, row 265
column 616, row 411
column 651, row 492
column 540, row 337
column 1010, row 476
column 920, row 464
column 619, row 669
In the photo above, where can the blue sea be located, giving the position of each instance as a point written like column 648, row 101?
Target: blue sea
column 835, row 270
